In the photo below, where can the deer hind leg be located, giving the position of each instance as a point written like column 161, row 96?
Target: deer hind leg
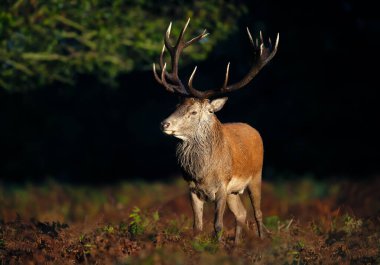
column 254, row 189
column 197, row 205
column 237, row 208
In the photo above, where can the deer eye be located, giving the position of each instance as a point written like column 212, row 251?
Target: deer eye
column 193, row 112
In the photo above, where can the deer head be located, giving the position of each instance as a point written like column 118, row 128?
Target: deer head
column 191, row 115
column 196, row 109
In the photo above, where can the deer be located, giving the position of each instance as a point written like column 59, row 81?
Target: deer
column 218, row 160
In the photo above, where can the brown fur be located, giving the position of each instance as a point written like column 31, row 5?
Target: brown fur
column 219, row 160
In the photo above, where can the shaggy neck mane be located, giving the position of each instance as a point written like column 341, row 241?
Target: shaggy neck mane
column 195, row 153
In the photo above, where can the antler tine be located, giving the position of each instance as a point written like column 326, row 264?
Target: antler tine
column 155, row 74
column 167, row 39
column 162, row 63
column 190, row 83
column 261, row 43
column 162, row 57
column 227, row 76
column 204, row 34
column 270, row 54
column 169, row 87
column 277, row 41
column 180, row 40
column 250, row 37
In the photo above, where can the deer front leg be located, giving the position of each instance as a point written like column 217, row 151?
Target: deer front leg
column 221, row 198
column 197, row 205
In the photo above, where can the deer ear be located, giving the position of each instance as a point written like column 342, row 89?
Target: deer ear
column 217, row 104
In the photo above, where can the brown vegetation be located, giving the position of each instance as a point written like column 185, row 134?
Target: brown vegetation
column 310, row 222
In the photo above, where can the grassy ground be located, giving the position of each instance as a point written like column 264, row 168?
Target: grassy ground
column 310, row 222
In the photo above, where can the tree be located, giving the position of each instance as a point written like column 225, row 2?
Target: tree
column 45, row 41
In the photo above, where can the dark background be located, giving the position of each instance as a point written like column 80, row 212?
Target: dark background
column 315, row 104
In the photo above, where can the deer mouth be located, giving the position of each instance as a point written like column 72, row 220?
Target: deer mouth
column 174, row 133
column 169, row 132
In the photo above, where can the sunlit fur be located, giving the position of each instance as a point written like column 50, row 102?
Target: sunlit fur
column 218, row 160
column 194, row 154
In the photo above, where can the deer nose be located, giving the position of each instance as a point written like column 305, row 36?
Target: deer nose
column 165, row 125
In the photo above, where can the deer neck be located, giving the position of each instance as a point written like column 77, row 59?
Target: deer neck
column 196, row 154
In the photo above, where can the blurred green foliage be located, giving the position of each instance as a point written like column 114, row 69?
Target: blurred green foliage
column 142, row 222
column 45, row 41
column 205, row 243
column 137, row 225
column 272, row 222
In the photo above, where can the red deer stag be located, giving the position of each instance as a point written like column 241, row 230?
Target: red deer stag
column 218, row 160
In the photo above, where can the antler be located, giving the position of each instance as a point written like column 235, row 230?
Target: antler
column 265, row 55
column 175, row 84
